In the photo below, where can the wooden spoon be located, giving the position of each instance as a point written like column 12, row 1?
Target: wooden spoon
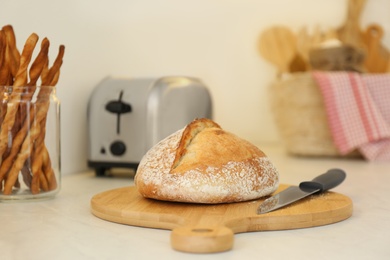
column 277, row 44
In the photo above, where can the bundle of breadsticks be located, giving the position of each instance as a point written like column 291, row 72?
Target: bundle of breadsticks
column 23, row 153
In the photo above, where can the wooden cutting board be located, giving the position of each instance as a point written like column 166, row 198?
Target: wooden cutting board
column 350, row 33
column 199, row 228
column 377, row 56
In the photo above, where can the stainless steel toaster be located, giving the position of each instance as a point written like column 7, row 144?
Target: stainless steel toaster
column 126, row 117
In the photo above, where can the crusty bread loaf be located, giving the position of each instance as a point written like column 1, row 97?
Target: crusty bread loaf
column 202, row 163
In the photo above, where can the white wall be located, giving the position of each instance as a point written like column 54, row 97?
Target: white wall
column 214, row 40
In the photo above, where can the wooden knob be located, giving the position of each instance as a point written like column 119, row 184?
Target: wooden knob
column 202, row 239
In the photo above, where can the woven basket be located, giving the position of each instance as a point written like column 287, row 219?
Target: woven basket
column 300, row 116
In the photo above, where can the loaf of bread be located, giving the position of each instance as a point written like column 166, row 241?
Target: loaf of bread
column 202, row 163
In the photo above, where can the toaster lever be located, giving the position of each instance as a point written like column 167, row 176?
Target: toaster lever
column 118, row 107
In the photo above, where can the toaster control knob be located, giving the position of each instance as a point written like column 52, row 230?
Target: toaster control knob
column 118, row 148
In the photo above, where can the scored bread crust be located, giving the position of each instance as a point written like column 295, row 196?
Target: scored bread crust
column 202, row 163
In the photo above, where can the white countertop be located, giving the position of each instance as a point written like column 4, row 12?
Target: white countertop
column 64, row 228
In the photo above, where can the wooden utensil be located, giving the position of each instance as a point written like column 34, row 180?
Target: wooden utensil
column 330, row 34
column 317, row 37
column 350, row 32
column 298, row 64
column 199, row 228
column 277, row 44
column 306, row 43
column 377, row 56
column 303, row 43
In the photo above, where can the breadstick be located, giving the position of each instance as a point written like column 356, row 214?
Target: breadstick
column 36, row 162
column 45, row 172
column 39, row 63
column 25, row 58
column 17, row 184
column 23, row 155
column 34, row 188
column 55, row 68
column 16, row 144
column 4, row 74
column 35, row 130
column 43, row 185
column 13, row 103
column 34, row 73
column 27, row 145
column 50, row 79
column 39, row 157
column 38, row 180
column 48, row 170
column 3, row 48
column 45, row 71
column 26, row 175
column 4, row 69
column 35, row 70
column 38, row 174
column 12, row 51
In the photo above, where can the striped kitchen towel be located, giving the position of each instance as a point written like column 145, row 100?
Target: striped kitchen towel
column 358, row 111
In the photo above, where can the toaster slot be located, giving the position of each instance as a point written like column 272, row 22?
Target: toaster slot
column 118, row 107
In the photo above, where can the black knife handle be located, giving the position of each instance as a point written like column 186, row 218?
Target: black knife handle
column 325, row 181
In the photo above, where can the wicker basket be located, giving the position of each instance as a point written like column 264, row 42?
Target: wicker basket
column 300, row 116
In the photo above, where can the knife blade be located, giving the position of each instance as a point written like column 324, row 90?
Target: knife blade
column 323, row 182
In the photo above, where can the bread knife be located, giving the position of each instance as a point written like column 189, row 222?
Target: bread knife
column 321, row 183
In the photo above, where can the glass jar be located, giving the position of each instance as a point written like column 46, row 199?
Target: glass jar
column 29, row 143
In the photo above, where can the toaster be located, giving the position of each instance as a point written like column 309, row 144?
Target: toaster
column 126, row 117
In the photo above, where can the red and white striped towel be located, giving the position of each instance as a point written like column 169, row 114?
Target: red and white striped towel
column 358, row 110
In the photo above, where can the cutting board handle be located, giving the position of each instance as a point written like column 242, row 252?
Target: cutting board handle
column 202, row 239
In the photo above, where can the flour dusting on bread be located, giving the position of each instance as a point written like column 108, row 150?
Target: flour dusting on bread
column 212, row 166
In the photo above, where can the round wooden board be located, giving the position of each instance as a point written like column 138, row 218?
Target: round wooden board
column 127, row 206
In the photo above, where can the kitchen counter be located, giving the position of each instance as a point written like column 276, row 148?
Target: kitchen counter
column 64, row 228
